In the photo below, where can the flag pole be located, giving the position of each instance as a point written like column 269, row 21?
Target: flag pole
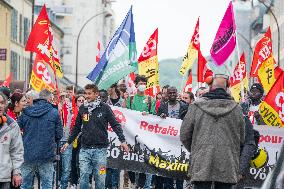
column 239, row 60
column 182, row 83
column 238, row 52
column 31, row 53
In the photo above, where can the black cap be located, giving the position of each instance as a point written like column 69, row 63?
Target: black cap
column 257, row 86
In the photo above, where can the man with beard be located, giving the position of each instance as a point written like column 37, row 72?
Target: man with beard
column 251, row 107
column 174, row 109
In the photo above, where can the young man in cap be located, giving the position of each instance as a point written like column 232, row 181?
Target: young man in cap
column 251, row 106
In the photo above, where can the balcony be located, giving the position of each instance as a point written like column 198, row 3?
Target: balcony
column 63, row 11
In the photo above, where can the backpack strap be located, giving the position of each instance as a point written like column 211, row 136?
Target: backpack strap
column 131, row 101
column 149, row 103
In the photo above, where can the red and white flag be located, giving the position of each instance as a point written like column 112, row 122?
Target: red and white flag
column 188, row 85
column 98, row 56
column 8, row 80
column 41, row 41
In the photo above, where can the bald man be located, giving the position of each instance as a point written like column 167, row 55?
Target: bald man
column 213, row 132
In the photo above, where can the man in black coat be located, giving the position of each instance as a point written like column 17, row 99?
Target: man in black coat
column 174, row 109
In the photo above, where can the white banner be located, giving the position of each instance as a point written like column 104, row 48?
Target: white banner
column 271, row 139
column 156, row 147
column 155, row 144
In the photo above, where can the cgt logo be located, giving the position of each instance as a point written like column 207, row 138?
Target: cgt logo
column 42, row 71
column 279, row 101
column 120, row 118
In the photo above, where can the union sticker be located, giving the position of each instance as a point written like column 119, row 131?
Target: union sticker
column 85, row 117
column 102, row 170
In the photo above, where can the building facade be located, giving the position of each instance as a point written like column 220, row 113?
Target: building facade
column 21, row 18
column 70, row 16
column 5, row 37
column 266, row 14
column 278, row 9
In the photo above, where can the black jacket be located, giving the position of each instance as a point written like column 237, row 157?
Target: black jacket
column 248, row 149
column 164, row 109
column 94, row 127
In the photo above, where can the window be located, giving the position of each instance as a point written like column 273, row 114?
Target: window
column 19, row 67
column 26, row 29
column 14, row 25
column 21, row 29
column 27, row 69
column 14, row 65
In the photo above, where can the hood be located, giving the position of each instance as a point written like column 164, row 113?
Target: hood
column 39, row 108
column 216, row 107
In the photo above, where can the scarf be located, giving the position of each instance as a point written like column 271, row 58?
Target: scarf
column 218, row 93
column 92, row 105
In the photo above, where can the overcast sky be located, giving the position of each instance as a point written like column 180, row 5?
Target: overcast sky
column 175, row 19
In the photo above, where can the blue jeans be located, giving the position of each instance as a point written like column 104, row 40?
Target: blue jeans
column 148, row 181
column 66, row 157
column 93, row 159
column 45, row 171
column 112, row 178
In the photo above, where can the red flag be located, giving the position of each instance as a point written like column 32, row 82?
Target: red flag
column 130, row 85
column 203, row 71
column 153, row 91
column 40, row 76
column 8, row 80
column 41, row 41
column 262, row 51
column 98, row 56
column 277, row 72
column 188, row 85
column 150, row 49
column 239, row 80
column 148, row 64
column 74, row 112
column 239, row 72
column 65, row 113
column 272, row 107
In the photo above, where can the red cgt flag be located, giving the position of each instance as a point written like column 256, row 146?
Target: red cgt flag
column 41, row 41
column 272, row 107
column 148, row 64
column 262, row 51
column 7, row 82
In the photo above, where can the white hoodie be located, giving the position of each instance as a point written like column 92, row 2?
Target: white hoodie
column 11, row 150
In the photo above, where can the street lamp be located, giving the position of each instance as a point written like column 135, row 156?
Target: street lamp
column 278, row 30
column 247, row 41
column 78, row 37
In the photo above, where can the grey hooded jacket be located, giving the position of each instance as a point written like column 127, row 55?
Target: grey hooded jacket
column 11, row 150
column 213, row 131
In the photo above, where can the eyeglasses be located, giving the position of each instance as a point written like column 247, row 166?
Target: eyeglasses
column 80, row 100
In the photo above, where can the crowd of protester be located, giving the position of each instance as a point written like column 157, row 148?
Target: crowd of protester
column 36, row 127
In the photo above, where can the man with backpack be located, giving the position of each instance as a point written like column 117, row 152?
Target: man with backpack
column 145, row 104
